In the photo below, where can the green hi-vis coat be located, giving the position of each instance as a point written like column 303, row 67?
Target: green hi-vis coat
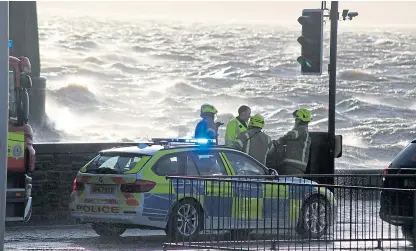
column 234, row 128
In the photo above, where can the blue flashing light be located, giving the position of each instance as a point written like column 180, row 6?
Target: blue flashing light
column 143, row 145
column 10, row 43
column 185, row 141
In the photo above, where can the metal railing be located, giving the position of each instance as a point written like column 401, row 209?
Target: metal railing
column 288, row 213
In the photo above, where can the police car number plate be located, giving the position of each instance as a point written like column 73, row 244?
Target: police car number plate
column 103, row 189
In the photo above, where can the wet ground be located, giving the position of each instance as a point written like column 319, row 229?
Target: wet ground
column 79, row 237
column 82, row 237
column 358, row 227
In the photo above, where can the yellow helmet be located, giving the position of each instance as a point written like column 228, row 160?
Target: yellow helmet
column 303, row 115
column 257, row 121
column 207, row 108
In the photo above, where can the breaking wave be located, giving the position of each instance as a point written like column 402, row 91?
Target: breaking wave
column 127, row 81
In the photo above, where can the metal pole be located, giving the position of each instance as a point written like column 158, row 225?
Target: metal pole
column 332, row 83
column 4, row 111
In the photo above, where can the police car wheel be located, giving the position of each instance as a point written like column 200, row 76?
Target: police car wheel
column 107, row 229
column 185, row 222
column 315, row 218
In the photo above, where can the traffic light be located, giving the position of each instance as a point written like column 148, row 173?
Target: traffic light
column 311, row 41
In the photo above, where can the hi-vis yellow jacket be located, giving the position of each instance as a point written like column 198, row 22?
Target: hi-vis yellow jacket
column 234, row 128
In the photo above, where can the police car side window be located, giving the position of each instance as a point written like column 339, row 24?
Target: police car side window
column 175, row 164
column 190, row 166
column 243, row 165
column 209, row 163
column 167, row 165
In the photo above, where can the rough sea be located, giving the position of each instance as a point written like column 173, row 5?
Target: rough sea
column 119, row 81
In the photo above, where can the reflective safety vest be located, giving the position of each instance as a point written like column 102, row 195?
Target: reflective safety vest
column 234, row 128
column 255, row 143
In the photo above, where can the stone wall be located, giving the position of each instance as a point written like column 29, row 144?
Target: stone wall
column 56, row 167
column 58, row 163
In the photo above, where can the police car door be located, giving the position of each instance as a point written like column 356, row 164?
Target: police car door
column 218, row 193
column 157, row 203
column 249, row 208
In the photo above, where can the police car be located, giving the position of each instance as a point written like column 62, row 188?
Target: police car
column 127, row 187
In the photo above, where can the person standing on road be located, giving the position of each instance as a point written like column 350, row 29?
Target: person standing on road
column 237, row 125
column 254, row 142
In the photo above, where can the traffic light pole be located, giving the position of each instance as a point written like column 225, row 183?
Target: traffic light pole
column 332, row 71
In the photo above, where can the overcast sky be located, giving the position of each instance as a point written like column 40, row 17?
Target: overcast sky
column 370, row 12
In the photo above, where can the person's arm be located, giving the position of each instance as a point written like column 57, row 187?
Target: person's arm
column 239, row 142
column 230, row 133
column 290, row 135
column 211, row 134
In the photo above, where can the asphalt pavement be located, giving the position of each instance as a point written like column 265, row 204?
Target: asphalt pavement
column 79, row 237
column 84, row 238
column 355, row 223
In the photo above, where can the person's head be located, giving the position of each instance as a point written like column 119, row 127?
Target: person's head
column 302, row 116
column 244, row 113
column 208, row 111
column 256, row 121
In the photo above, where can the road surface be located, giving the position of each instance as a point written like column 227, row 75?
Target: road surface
column 356, row 221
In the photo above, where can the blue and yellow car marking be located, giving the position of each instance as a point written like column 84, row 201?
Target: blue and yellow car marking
column 231, row 198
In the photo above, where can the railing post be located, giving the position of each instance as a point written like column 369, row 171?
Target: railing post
column 414, row 219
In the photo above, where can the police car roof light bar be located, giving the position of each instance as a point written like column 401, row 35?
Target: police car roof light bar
column 180, row 141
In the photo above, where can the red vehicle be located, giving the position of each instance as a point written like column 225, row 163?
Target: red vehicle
column 21, row 155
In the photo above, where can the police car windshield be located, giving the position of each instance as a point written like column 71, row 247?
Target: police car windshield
column 113, row 163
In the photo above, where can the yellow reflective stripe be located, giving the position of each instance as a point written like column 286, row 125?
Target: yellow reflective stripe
column 16, row 145
column 216, row 189
column 163, row 185
column 295, row 206
column 240, row 143
column 247, row 208
column 271, row 191
column 139, row 165
column 16, row 136
column 305, row 147
column 296, row 133
column 227, row 169
column 223, row 189
column 230, row 169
